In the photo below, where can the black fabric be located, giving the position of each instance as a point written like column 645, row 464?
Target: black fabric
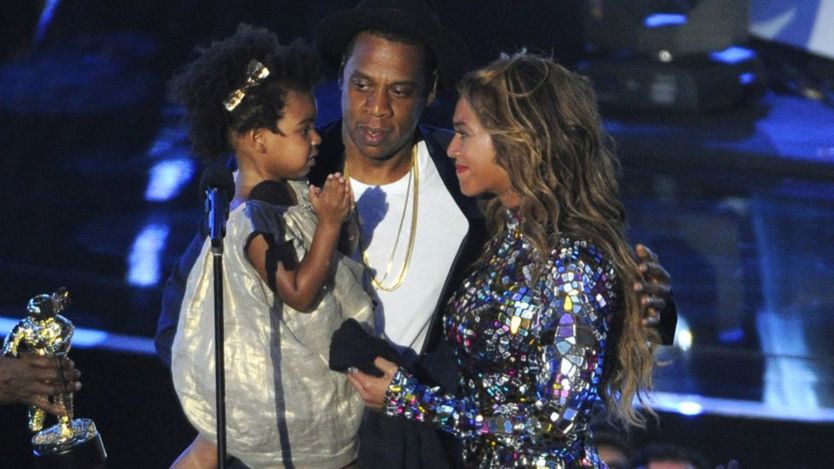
column 271, row 261
column 276, row 252
column 331, row 154
column 352, row 346
column 392, row 442
column 413, row 18
column 273, row 192
column 668, row 322
column 439, row 367
column 235, row 463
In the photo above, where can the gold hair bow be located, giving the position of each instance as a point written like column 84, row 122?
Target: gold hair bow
column 255, row 74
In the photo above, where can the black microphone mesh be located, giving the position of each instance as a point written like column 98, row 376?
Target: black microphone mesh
column 217, row 175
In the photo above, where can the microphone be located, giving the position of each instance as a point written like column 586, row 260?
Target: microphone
column 219, row 187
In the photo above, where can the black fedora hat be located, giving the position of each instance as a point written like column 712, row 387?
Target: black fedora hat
column 412, row 18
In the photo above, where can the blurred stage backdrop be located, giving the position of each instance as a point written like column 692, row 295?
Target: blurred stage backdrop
column 723, row 113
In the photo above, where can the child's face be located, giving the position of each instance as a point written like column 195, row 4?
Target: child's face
column 292, row 150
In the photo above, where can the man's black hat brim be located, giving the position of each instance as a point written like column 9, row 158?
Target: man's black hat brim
column 411, row 18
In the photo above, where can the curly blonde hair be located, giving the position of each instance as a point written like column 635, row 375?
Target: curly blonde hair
column 548, row 137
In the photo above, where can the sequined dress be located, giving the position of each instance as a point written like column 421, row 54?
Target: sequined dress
column 531, row 352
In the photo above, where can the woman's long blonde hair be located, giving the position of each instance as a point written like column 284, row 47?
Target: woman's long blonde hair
column 548, row 136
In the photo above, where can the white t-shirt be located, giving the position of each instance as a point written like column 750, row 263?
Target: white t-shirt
column 403, row 316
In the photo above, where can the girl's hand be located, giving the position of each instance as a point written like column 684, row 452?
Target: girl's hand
column 371, row 388
column 332, row 203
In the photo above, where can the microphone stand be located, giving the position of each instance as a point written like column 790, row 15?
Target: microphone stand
column 217, row 207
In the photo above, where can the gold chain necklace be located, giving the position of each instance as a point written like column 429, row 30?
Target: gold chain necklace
column 414, row 174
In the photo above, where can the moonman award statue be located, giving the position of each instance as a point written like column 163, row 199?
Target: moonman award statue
column 71, row 443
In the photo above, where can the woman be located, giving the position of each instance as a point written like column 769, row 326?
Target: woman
column 545, row 324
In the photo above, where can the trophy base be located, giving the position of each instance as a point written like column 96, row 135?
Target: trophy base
column 81, row 449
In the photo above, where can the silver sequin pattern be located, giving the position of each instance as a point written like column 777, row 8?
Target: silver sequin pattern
column 531, row 351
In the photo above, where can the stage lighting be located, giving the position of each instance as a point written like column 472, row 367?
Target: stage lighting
column 673, row 56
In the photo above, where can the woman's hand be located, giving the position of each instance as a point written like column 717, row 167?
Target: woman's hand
column 371, row 388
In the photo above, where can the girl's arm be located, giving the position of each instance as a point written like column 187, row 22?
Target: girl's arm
column 299, row 285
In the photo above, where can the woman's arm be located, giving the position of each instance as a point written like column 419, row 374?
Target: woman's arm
column 560, row 376
column 299, row 286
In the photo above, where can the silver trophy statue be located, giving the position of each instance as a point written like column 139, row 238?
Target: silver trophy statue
column 71, row 443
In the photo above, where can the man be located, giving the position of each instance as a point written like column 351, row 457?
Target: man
column 418, row 232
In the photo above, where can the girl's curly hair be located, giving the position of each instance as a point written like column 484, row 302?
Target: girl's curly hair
column 220, row 68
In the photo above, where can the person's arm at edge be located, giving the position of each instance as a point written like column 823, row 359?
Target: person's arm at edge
column 30, row 379
column 172, row 297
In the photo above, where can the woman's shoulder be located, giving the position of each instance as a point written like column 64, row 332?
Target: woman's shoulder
column 582, row 272
column 571, row 253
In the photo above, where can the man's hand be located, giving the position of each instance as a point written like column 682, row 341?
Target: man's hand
column 31, row 380
column 654, row 291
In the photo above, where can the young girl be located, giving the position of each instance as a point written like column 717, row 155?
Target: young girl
column 546, row 323
column 286, row 285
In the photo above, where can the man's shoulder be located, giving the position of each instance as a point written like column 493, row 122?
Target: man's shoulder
column 437, row 141
column 437, row 135
column 329, row 159
column 329, row 127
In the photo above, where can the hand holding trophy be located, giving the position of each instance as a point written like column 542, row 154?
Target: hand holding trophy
column 71, row 443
